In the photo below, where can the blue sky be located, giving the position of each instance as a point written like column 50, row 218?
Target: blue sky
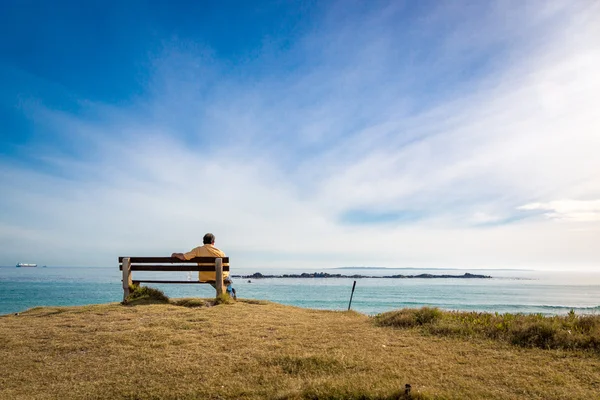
column 319, row 134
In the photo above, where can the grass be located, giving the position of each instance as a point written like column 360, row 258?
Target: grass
column 145, row 294
column 197, row 349
column 526, row 330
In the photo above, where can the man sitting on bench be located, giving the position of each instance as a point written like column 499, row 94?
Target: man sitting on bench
column 208, row 250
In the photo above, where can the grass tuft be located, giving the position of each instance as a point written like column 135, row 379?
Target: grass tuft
column 409, row 317
column 224, row 299
column 145, row 295
column 542, row 334
column 427, row 315
column 190, row 302
column 525, row 330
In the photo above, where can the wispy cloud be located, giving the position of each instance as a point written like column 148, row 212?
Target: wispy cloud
column 429, row 143
column 568, row 210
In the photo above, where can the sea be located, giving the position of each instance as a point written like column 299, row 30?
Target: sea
column 508, row 291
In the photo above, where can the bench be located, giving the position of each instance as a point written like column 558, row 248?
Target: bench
column 207, row 264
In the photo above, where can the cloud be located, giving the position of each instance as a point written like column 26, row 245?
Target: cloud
column 369, row 150
column 568, row 210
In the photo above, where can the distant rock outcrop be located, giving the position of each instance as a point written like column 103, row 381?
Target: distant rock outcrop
column 258, row 275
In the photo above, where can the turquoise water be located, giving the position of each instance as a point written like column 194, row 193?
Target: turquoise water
column 508, row 291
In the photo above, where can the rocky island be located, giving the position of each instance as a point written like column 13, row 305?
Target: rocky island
column 258, row 275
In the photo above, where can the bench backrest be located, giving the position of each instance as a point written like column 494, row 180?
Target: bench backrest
column 173, row 264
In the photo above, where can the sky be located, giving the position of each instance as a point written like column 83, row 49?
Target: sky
column 321, row 134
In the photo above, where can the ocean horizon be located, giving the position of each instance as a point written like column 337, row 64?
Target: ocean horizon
column 507, row 291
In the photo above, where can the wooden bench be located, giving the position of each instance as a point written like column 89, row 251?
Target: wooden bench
column 129, row 264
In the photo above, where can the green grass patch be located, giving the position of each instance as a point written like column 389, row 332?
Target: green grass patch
column 571, row 332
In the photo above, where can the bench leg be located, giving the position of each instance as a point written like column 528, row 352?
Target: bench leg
column 219, row 276
column 126, row 277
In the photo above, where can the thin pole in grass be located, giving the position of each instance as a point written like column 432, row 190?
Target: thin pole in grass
column 352, row 294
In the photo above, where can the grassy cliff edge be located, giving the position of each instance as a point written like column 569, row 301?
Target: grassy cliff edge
column 191, row 349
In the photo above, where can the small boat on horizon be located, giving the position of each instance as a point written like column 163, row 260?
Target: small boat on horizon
column 20, row 265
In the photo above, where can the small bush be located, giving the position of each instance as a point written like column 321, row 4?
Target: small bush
column 586, row 324
column 145, row 294
column 527, row 330
column 541, row 334
column 427, row 315
column 398, row 319
column 409, row 317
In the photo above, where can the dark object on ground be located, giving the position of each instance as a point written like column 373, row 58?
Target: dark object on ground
column 351, row 295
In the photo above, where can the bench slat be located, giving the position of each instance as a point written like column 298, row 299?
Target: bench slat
column 173, row 260
column 155, row 281
column 192, row 267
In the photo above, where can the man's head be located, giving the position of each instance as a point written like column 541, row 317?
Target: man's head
column 209, row 238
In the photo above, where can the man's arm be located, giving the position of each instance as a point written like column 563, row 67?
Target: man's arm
column 178, row 255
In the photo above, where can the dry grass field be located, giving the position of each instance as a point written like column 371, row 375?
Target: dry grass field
column 260, row 350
